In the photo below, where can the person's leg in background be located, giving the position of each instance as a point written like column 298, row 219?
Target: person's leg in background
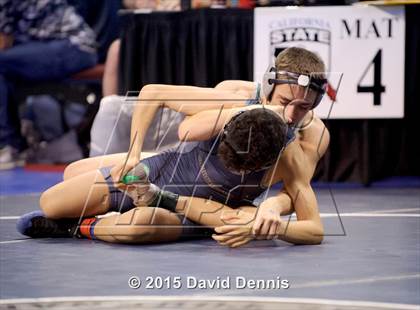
column 110, row 132
column 44, row 60
column 11, row 143
column 110, row 79
column 111, row 128
column 33, row 61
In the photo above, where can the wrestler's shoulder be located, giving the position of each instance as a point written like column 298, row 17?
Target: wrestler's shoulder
column 315, row 139
column 315, row 130
column 322, row 129
column 318, row 124
column 311, row 124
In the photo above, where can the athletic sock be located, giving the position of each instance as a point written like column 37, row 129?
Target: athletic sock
column 87, row 227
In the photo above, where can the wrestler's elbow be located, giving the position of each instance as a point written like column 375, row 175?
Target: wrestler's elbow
column 227, row 85
column 318, row 237
column 310, row 239
column 151, row 91
column 148, row 88
column 317, row 234
column 312, row 234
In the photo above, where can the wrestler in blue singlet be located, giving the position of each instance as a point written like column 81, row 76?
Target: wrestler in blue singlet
column 194, row 170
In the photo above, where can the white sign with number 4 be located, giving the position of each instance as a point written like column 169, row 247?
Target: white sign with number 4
column 363, row 46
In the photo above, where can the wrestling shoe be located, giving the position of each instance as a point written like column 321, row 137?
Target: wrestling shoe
column 36, row 225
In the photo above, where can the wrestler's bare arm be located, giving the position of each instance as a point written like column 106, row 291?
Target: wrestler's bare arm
column 314, row 142
column 308, row 228
column 146, row 109
column 207, row 212
column 185, row 99
column 206, row 124
column 245, row 88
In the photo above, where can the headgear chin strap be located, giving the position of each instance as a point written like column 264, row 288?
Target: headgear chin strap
column 270, row 80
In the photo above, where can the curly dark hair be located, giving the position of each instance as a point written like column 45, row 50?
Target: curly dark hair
column 252, row 140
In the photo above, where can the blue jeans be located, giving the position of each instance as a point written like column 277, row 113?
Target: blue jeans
column 34, row 61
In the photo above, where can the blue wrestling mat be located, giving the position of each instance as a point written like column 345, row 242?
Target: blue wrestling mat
column 369, row 260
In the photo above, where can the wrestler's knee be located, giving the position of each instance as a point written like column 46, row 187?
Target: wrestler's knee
column 48, row 202
column 149, row 219
column 74, row 169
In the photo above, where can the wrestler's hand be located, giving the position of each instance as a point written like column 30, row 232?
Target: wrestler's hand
column 267, row 221
column 120, row 170
column 237, row 230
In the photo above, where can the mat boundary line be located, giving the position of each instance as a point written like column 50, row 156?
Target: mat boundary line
column 256, row 299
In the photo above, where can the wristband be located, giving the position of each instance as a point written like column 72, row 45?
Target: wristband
column 165, row 200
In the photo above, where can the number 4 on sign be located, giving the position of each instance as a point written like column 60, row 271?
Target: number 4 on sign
column 377, row 88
